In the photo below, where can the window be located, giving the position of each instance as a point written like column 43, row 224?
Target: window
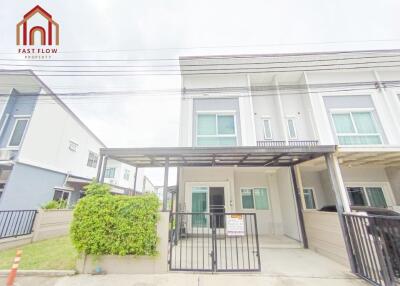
column 255, row 198
column 367, row 196
column 309, row 199
column 92, row 160
column 127, row 174
column 61, row 195
column 18, row 132
column 216, row 130
column 73, row 146
column 291, row 128
column 356, row 128
column 267, row 129
column 109, row 173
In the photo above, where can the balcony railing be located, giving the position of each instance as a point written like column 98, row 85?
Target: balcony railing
column 281, row 143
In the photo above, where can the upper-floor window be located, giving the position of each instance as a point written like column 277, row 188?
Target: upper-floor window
column 356, row 128
column 127, row 174
column 216, row 130
column 109, row 173
column 92, row 159
column 73, row 146
column 18, row 132
column 267, row 129
column 291, row 128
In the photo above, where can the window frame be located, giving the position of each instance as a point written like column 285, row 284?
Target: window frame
column 63, row 191
column 384, row 186
column 105, row 173
column 254, row 199
column 267, row 119
column 350, row 112
column 18, row 118
column 216, row 114
column 126, row 171
column 293, row 119
column 314, row 198
column 73, row 143
column 89, row 160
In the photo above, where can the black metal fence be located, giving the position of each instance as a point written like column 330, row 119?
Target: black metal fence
column 15, row 223
column 209, row 242
column 375, row 246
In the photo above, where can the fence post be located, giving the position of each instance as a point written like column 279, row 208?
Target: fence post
column 36, row 224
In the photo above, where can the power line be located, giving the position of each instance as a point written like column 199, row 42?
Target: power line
column 222, row 46
column 248, row 66
column 200, row 65
column 210, row 57
column 264, row 71
column 218, row 69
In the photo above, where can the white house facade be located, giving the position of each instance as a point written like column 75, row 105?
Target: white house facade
column 347, row 104
column 282, row 151
column 46, row 151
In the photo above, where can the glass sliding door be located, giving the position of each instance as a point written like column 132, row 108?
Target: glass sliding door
column 199, row 206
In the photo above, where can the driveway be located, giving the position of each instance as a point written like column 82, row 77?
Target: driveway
column 279, row 267
column 175, row 279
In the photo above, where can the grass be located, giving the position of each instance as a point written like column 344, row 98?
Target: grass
column 55, row 254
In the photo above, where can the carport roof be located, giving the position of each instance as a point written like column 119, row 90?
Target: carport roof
column 251, row 156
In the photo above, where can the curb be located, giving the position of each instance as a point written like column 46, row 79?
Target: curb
column 49, row 273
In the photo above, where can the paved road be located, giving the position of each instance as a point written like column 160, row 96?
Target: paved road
column 173, row 279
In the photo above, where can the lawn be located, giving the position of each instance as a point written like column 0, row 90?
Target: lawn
column 57, row 253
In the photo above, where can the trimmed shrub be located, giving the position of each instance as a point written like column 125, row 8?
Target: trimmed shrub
column 104, row 224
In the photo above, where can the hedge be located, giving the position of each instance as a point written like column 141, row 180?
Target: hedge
column 105, row 224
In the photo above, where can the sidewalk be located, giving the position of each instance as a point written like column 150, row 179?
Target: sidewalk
column 188, row 279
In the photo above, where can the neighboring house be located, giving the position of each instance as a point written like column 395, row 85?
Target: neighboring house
column 46, row 151
column 121, row 177
column 148, row 186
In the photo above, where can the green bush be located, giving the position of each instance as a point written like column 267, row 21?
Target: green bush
column 104, row 224
column 55, row 205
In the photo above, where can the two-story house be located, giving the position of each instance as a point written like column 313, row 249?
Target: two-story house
column 267, row 140
column 46, row 151
column 296, row 100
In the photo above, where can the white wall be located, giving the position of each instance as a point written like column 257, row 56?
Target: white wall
column 281, row 219
column 46, row 142
column 385, row 103
column 289, row 212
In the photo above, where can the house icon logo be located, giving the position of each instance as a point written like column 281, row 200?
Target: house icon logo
column 38, row 28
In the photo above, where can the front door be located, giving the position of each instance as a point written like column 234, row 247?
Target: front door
column 208, row 199
column 217, row 204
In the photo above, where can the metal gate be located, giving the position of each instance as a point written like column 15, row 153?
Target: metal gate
column 375, row 247
column 214, row 242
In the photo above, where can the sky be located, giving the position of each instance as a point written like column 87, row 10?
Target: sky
column 159, row 29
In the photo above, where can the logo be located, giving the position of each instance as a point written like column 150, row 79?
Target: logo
column 38, row 33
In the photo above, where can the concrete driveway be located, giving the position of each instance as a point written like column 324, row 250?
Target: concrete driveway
column 174, row 279
column 279, row 267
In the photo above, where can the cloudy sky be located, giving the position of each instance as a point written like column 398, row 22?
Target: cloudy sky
column 159, row 29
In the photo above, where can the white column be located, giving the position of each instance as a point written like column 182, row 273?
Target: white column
column 337, row 183
column 281, row 112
